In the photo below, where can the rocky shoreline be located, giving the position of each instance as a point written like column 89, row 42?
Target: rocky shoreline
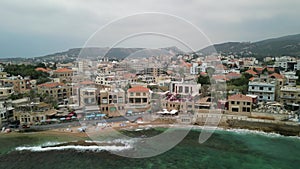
column 282, row 129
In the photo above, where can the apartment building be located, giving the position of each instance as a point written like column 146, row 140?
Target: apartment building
column 19, row 84
column 59, row 91
column 112, row 102
column 290, row 95
column 5, row 92
column 138, row 99
column 185, row 88
column 240, row 103
column 264, row 90
column 87, row 96
column 64, row 74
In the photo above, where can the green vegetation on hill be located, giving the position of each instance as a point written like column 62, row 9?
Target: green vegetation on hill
column 27, row 71
column 240, row 84
column 287, row 45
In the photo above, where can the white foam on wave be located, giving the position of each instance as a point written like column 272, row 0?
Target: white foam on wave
column 94, row 148
column 257, row 132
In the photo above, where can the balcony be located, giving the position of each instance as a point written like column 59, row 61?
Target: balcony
column 288, row 97
column 261, row 91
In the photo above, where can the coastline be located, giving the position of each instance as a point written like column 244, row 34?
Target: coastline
column 229, row 125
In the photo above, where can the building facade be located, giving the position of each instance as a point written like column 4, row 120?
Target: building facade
column 264, row 90
column 290, row 95
column 138, row 99
column 59, row 91
column 112, row 102
column 240, row 104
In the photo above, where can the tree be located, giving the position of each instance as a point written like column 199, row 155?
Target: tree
column 203, row 80
column 210, row 71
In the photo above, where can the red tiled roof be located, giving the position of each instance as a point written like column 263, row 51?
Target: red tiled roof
column 271, row 69
column 63, row 70
column 203, row 73
column 138, row 89
column 51, row 85
column 251, row 72
column 233, row 74
column 240, row 97
column 42, row 69
column 219, row 77
column 252, row 78
column 259, row 69
column 277, row 76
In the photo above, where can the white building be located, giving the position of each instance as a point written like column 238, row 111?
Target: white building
column 185, row 88
column 264, row 90
column 195, row 69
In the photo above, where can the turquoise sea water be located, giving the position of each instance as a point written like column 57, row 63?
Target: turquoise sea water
column 225, row 149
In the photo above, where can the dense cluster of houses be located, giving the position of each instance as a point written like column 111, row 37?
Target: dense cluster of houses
column 150, row 84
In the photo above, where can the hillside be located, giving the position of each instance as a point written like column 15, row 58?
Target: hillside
column 96, row 53
column 287, row 45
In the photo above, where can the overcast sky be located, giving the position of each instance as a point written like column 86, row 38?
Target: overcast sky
column 39, row 27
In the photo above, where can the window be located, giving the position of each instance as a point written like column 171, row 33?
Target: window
column 131, row 93
column 186, row 89
column 270, row 88
column 180, row 89
column 248, row 103
column 244, row 109
column 138, row 94
column 261, row 88
column 253, row 87
column 237, row 102
column 232, row 102
column 235, row 109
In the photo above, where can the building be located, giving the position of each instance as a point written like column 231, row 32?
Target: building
column 3, row 75
column 240, row 103
column 290, row 96
column 195, row 69
column 291, row 78
column 108, row 79
column 185, row 88
column 20, row 84
column 33, row 113
column 153, row 71
column 5, row 92
column 59, row 91
column 286, row 63
column 87, row 96
column 112, row 102
column 264, row 90
column 6, row 110
column 138, row 99
column 64, row 74
column 173, row 102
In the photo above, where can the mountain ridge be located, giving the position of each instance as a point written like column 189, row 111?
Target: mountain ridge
column 285, row 45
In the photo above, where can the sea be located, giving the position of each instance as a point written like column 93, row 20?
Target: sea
column 225, row 149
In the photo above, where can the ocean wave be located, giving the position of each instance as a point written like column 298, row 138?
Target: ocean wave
column 53, row 146
column 257, row 132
